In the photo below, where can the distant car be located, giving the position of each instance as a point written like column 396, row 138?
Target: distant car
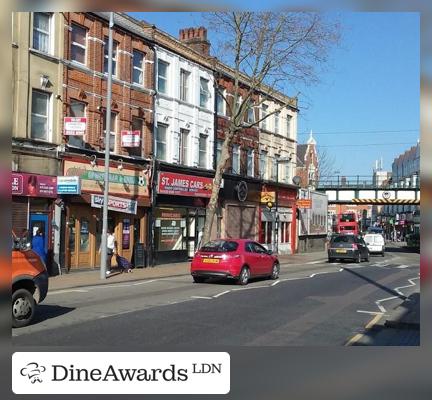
column 375, row 243
column 238, row 259
column 347, row 247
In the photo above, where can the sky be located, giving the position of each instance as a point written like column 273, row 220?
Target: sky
column 367, row 105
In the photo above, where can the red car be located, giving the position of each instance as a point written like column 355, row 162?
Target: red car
column 239, row 259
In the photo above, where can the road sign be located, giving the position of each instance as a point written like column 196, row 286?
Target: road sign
column 75, row 126
column 304, row 203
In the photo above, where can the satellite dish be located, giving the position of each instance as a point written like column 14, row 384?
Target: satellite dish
column 297, row 180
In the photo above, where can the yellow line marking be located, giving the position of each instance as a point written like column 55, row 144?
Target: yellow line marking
column 368, row 326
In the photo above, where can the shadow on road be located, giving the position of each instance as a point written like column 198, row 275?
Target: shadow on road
column 401, row 249
column 375, row 283
column 45, row 311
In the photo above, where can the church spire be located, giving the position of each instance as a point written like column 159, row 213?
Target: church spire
column 311, row 139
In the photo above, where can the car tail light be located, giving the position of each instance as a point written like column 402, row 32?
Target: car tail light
column 354, row 246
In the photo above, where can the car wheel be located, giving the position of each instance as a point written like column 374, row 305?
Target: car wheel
column 367, row 258
column 275, row 271
column 198, row 279
column 358, row 259
column 330, row 259
column 244, row 276
column 23, row 308
column 382, row 254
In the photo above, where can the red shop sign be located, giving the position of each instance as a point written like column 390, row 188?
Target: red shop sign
column 184, row 185
column 33, row 185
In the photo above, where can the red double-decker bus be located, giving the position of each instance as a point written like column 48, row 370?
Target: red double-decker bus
column 346, row 223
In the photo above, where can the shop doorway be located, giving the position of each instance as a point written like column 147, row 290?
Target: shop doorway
column 195, row 231
column 39, row 221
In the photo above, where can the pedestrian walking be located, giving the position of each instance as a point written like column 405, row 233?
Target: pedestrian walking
column 38, row 245
column 111, row 250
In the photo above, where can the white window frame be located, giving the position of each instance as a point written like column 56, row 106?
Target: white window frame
column 47, row 117
column 219, row 145
column 114, row 59
column 160, row 141
column 163, row 77
column 250, row 162
column 289, row 125
column 39, row 30
column 202, row 155
column 113, row 133
column 135, row 68
column 235, row 168
column 204, row 92
column 263, row 164
column 276, row 122
column 250, row 112
column 84, row 115
column 184, row 146
column 264, row 113
column 184, row 81
column 79, row 44
column 220, row 94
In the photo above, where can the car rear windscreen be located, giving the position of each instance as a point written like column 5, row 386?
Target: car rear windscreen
column 219, row 246
column 343, row 239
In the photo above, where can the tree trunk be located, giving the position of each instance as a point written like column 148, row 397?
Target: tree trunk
column 213, row 202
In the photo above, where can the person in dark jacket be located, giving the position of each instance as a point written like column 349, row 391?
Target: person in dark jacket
column 38, row 245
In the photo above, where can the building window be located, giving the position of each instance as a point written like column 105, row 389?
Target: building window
column 264, row 109
column 76, row 109
column 183, row 146
column 275, row 169
column 250, row 116
column 266, row 232
column 250, row 162
column 161, row 142
column 202, row 151
column 288, row 119
column 41, row 32
column 138, row 67
column 284, row 232
column 78, row 44
column 184, row 85
column 219, row 145
column 263, row 164
column 287, row 172
column 114, row 56
column 112, row 136
column 137, row 125
column 204, row 92
column 220, row 102
column 163, row 76
column 277, row 115
column 40, row 123
column 235, row 159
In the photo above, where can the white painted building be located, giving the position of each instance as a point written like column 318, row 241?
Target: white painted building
column 184, row 110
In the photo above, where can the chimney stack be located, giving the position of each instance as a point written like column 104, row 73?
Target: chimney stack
column 196, row 39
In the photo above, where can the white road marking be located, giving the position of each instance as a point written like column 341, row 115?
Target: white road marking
column 407, row 286
column 275, row 283
column 221, row 294
column 201, row 297
column 370, row 312
column 381, row 307
column 316, row 262
column 403, row 266
column 66, row 291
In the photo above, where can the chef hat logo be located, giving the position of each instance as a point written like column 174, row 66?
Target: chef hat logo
column 33, row 371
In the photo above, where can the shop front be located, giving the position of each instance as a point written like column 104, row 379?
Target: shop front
column 128, row 206
column 179, row 215
column 33, row 198
column 238, row 217
column 278, row 222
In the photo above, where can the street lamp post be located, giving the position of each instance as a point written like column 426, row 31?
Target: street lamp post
column 284, row 160
column 107, row 154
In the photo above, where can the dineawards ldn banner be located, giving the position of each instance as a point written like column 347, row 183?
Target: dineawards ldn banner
column 120, row 373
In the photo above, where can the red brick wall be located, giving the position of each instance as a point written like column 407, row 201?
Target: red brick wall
column 125, row 99
column 247, row 138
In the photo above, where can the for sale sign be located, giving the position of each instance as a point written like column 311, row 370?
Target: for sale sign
column 75, row 126
column 130, row 138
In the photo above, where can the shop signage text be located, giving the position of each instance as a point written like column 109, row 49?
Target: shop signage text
column 268, row 197
column 130, row 182
column 33, row 185
column 68, row 185
column 184, row 185
column 304, row 203
column 130, row 138
column 115, row 204
column 75, row 126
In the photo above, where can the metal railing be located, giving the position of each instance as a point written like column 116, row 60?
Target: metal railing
column 362, row 182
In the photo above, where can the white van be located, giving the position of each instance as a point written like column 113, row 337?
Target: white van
column 375, row 243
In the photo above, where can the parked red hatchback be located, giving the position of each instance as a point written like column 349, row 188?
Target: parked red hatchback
column 238, row 259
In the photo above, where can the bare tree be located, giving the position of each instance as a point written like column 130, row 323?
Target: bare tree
column 326, row 165
column 265, row 51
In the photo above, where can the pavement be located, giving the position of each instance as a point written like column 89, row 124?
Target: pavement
column 90, row 278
